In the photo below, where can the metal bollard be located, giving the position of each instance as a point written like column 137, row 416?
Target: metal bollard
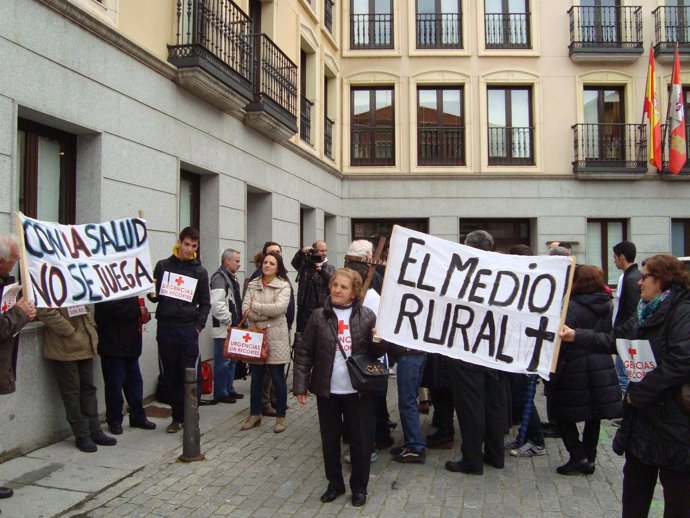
column 191, row 436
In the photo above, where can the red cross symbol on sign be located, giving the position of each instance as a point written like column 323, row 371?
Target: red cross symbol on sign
column 632, row 351
column 179, row 281
column 342, row 327
column 247, row 337
column 4, row 308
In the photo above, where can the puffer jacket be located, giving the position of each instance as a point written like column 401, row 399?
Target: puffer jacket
column 67, row 338
column 656, row 429
column 585, row 384
column 268, row 306
column 315, row 354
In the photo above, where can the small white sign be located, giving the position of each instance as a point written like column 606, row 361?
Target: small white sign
column 75, row 311
column 245, row 343
column 637, row 356
column 9, row 296
column 178, row 286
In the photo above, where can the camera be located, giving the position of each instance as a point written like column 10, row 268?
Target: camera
column 313, row 257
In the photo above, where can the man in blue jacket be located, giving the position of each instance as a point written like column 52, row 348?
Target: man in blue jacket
column 184, row 301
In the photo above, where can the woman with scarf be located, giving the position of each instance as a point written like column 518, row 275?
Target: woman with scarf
column 266, row 300
column 320, row 369
column 655, row 435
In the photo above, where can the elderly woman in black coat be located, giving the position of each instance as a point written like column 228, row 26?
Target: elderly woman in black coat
column 320, row 369
column 655, row 434
column 585, row 385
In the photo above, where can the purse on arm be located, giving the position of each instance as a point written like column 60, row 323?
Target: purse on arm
column 247, row 344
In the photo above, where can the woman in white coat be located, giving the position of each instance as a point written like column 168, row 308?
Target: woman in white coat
column 267, row 299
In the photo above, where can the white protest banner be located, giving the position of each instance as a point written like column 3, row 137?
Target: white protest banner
column 9, row 296
column 73, row 265
column 638, row 358
column 496, row 310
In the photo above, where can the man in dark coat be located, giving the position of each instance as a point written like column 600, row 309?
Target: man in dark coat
column 11, row 321
column 313, row 274
column 119, row 346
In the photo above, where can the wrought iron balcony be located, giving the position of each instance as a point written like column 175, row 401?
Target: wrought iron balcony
column 686, row 168
column 273, row 110
column 213, row 52
column 373, row 146
column 610, row 149
column 439, row 145
column 671, row 27
column 328, row 15
column 371, row 31
column 328, row 137
column 511, row 146
column 606, row 32
column 439, row 31
column 305, row 119
column 507, row 31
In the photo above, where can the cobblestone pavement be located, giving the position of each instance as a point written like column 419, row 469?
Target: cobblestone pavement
column 263, row 474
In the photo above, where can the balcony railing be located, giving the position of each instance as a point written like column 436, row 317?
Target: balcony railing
column 215, row 35
column 511, row 146
column 507, row 31
column 328, row 15
column 671, row 26
column 275, row 88
column 441, row 146
column 609, row 29
column 328, row 137
column 610, row 148
column 371, row 31
column 439, row 31
column 373, row 146
column 305, row 119
column 665, row 144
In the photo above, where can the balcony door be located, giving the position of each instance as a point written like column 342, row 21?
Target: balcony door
column 506, row 24
column 438, row 24
column 510, row 125
column 678, row 20
column 600, row 22
column 604, row 133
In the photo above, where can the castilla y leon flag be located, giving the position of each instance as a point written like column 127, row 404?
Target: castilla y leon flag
column 678, row 153
column 651, row 111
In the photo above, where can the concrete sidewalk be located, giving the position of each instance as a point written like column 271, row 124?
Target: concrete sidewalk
column 259, row 473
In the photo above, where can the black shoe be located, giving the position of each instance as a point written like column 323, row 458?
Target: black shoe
column 86, row 445
column 392, row 425
column 115, row 429
column 145, row 425
column 102, row 439
column 227, row 399
column 359, row 499
column 576, row 467
column 6, row 492
column 331, row 494
column 497, row 465
column 409, row 456
column 237, row 395
column 384, row 443
column 436, row 442
column 461, row 467
column 397, row 450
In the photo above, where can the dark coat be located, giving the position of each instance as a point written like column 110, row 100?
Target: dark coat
column 314, row 355
column 585, row 384
column 657, row 428
column 10, row 323
column 629, row 297
column 119, row 331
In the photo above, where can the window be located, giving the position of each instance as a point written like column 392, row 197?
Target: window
column 374, row 229
column 373, row 128
column 680, row 237
column 599, row 21
column 506, row 232
column 47, row 172
column 439, row 24
column 678, row 20
column 305, row 104
column 328, row 15
column 372, row 24
column 604, row 137
column 506, row 24
column 602, row 235
column 440, row 126
column 510, row 125
column 190, row 198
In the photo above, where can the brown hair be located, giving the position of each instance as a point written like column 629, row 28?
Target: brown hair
column 587, row 279
column 354, row 277
column 668, row 270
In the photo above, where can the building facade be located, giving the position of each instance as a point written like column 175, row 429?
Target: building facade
column 297, row 120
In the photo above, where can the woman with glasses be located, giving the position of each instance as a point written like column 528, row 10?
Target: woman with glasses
column 655, row 435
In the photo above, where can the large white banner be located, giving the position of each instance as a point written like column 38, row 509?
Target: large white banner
column 71, row 265
column 497, row 310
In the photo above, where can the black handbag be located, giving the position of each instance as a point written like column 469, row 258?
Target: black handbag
column 366, row 373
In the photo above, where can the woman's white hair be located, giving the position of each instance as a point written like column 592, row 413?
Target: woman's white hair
column 7, row 241
column 361, row 248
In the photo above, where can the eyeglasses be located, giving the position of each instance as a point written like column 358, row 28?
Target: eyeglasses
column 646, row 275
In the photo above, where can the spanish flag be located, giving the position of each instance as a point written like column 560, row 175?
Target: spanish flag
column 678, row 152
column 651, row 111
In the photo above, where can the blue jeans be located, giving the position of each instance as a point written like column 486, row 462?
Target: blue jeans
column 409, row 376
column 256, row 390
column 623, row 379
column 223, row 371
column 121, row 374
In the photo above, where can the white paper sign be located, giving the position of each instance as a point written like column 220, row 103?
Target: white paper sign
column 497, row 310
column 75, row 311
column 9, row 296
column 638, row 357
column 178, row 286
column 245, row 342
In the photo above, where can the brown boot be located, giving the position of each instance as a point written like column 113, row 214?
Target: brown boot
column 280, row 425
column 251, row 422
column 268, row 411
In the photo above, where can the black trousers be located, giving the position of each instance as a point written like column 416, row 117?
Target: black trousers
column 354, row 412
column 178, row 349
column 581, row 448
column 479, row 399
column 639, row 481
column 442, row 399
column 75, row 381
